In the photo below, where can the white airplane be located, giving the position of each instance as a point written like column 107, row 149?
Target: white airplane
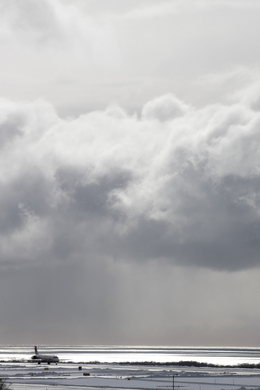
column 44, row 358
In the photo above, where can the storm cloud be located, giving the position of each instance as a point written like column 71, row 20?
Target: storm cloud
column 176, row 183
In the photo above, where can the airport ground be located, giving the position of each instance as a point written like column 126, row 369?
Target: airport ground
column 72, row 376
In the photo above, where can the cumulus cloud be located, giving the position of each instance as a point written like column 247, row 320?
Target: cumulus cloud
column 184, row 187
column 164, row 108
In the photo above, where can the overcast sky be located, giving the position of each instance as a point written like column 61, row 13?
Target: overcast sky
column 130, row 172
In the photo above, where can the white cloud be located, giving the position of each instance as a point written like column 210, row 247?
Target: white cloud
column 49, row 49
column 164, row 108
column 79, row 58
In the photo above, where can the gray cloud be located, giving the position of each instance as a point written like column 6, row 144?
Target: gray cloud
column 108, row 184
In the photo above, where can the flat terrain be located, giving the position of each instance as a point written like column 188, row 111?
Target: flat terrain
column 71, row 376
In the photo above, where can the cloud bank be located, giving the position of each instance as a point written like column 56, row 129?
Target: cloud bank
column 177, row 183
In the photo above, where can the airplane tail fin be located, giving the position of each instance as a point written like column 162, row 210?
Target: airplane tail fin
column 36, row 351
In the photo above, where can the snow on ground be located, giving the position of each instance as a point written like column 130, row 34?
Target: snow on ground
column 31, row 376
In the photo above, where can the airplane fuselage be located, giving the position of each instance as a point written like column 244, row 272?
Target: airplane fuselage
column 45, row 359
column 39, row 358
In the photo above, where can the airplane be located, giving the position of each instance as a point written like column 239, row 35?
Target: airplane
column 44, row 358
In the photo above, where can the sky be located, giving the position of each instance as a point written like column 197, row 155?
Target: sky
column 130, row 172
